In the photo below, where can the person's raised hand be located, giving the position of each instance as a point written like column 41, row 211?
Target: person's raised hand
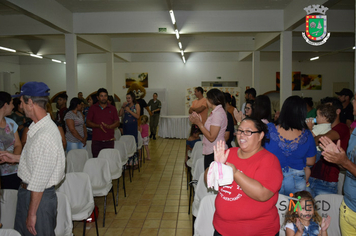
column 194, row 118
column 299, row 225
column 219, row 152
column 325, row 223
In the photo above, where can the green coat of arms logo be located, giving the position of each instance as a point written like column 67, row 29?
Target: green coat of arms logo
column 315, row 25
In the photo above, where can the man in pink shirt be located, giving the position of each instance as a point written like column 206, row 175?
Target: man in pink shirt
column 200, row 106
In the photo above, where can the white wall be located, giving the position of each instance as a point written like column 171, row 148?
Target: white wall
column 11, row 64
column 176, row 77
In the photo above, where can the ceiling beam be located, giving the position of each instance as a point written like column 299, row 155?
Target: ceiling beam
column 48, row 12
column 101, row 42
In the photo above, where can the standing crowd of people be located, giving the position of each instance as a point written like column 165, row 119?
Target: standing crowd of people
column 290, row 154
column 33, row 142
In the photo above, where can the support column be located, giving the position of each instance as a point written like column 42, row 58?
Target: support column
column 71, row 66
column 285, row 66
column 256, row 74
column 110, row 72
column 5, row 82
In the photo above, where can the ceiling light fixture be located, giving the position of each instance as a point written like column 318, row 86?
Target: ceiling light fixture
column 182, row 52
column 8, row 49
column 37, row 56
column 172, row 17
column 183, row 59
column 353, row 47
column 314, row 58
column 180, row 45
column 177, row 34
column 58, row 61
column 64, row 63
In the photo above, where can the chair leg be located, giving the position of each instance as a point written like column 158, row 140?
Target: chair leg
column 104, row 211
column 123, row 182
column 96, row 223
column 113, row 195
column 117, row 193
column 85, row 223
column 138, row 163
column 143, row 154
column 190, row 199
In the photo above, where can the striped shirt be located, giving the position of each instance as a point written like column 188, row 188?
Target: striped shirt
column 42, row 160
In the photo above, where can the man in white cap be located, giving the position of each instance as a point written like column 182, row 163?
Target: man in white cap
column 41, row 165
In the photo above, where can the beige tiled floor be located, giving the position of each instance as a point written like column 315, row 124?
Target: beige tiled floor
column 156, row 201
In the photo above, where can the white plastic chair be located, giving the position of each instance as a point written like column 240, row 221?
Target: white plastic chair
column 282, row 207
column 329, row 204
column 8, row 208
column 197, row 153
column 100, row 178
column 117, row 134
column 340, row 184
column 77, row 188
column 9, row 232
column 121, row 147
column 203, row 225
column 201, row 190
column 113, row 157
column 64, row 226
column 198, row 170
column 76, row 159
column 90, row 154
column 131, row 149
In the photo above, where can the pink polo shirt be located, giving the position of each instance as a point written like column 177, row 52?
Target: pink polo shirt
column 216, row 118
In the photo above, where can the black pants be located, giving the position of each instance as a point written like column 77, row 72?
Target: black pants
column 10, row 181
column 207, row 160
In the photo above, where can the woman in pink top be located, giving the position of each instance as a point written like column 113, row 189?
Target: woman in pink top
column 214, row 127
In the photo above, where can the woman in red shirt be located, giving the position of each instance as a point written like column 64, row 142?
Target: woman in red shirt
column 247, row 206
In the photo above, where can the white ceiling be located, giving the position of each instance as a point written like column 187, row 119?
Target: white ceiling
column 225, row 30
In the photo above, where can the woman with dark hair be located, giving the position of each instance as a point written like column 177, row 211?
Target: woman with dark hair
column 18, row 115
column 262, row 109
column 111, row 100
column 293, row 143
column 249, row 110
column 214, row 127
column 248, row 205
column 230, row 105
column 92, row 99
column 76, row 134
column 9, row 142
column 229, row 133
column 131, row 112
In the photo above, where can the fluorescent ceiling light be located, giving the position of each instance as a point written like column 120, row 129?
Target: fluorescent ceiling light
column 7, row 49
column 34, row 55
column 353, row 47
column 58, row 61
column 183, row 59
column 177, row 34
column 64, row 62
column 182, row 52
column 314, row 58
column 180, row 45
column 172, row 17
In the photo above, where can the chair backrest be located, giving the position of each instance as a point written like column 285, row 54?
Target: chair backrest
column 204, row 222
column 9, row 232
column 201, row 191
column 90, row 154
column 139, row 140
column 282, row 207
column 198, row 168
column 340, row 184
column 8, row 208
column 76, row 159
column 197, row 152
column 100, row 176
column 117, row 134
column 64, row 226
column 113, row 157
column 121, row 147
column 130, row 142
column 329, row 204
column 76, row 186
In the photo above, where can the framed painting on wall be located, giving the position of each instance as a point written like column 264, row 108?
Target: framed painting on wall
column 139, row 78
column 311, row 82
column 296, row 81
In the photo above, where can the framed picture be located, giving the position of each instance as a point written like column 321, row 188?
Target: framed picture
column 139, row 78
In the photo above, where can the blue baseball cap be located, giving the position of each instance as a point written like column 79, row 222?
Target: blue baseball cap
column 34, row 89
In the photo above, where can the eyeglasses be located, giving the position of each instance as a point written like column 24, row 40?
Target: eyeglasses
column 246, row 132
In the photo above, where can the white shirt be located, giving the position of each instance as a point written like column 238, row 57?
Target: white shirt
column 42, row 160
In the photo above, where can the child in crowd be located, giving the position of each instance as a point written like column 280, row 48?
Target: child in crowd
column 144, row 134
column 193, row 138
column 302, row 219
column 326, row 115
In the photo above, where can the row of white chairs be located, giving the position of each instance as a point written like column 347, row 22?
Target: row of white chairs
column 326, row 204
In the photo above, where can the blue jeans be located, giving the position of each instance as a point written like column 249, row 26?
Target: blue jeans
column 71, row 146
column 318, row 186
column 46, row 212
column 293, row 181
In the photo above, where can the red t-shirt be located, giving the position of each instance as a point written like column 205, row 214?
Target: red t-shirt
column 325, row 170
column 108, row 115
column 238, row 214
